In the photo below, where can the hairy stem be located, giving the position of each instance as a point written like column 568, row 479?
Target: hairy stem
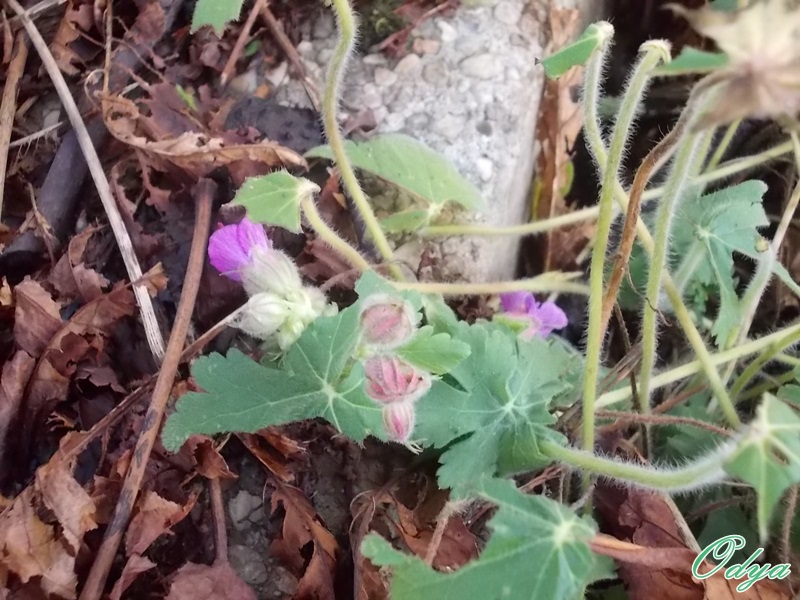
column 346, row 23
column 790, row 338
column 781, row 338
column 553, row 281
column 330, row 237
column 702, row 471
column 653, row 54
column 676, row 187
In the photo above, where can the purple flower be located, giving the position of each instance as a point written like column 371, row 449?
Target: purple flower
column 541, row 318
column 230, row 248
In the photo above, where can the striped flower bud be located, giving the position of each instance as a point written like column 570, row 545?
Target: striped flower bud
column 398, row 420
column 391, row 380
column 386, row 322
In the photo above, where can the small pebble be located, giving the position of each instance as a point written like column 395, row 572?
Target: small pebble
column 449, row 32
column 384, row 77
column 407, row 64
column 449, row 127
column 306, row 49
column 323, row 27
column 435, row 73
column 480, row 66
column 370, row 97
column 374, row 59
column 426, row 46
column 248, row 564
column 241, row 507
column 485, row 168
column 508, row 12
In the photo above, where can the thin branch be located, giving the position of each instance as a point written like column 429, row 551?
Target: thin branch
column 204, row 193
column 218, row 513
column 9, row 105
column 623, row 418
column 152, row 330
column 244, row 37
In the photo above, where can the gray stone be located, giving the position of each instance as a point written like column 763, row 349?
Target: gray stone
column 485, row 168
column 425, row 46
column 480, row 66
column 241, row 507
column 324, row 27
column 508, row 12
column 248, row 564
column 407, row 64
column 449, row 127
column 448, row 32
column 384, row 77
column 435, row 73
column 375, row 59
column 306, row 49
column 370, row 97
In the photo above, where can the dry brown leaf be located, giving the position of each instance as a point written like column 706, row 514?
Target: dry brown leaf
column 85, row 330
column 69, row 30
column 71, row 505
column 156, row 516
column 6, row 296
column 268, row 455
column 15, row 376
column 653, row 559
column 209, row 582
column 210, row 463
column 71, row 277
column 36, row 317
column 135, row 566
column 559, row 124
column 302, row 526
column 195, row 152
column 457, row 547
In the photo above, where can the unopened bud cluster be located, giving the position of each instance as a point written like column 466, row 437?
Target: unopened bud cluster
column 394, row 384
column 280, row 307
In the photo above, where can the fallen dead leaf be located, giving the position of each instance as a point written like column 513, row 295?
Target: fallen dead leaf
column 210, row 463
column 36, row 317
column 268, row 455
column 195, row 152
column 302, row 526
column 16, row 373
column 75, row 20
column 71, row 277
column 135, row 566
column 209, row 582
column 652, row 556
column 156, row 516
column 6, row 296
column 86, row 330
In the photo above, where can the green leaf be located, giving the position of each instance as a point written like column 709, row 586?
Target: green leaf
column 577, row 53
column 509, row 383
column 538, row 549
column 707, row 232
column 216, row 13
column 725, row 5
column 410, row 165
column 241, row 395
column 768, row 456
column 692, row 60
column 434, row 352
column 274, row 199
column 405, row 221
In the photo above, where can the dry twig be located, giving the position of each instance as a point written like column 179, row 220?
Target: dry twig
column 204, row 193
column 154, row 338
column 9, row 105
column 244, row 37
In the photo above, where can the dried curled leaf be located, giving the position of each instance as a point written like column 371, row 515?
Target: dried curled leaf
column 762, row 77
column 195, row 152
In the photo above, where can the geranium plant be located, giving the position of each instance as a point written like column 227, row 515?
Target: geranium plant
column 496, row 397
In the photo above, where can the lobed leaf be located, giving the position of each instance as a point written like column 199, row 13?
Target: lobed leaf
column 578, row 52
column 274, row 199
column 768, row 456
column 691, row 60
column 244, row 396
column 434, row 352
column 538, row 549
column 410, row 165
column 216, row 13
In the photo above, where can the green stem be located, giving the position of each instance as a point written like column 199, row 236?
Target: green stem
column 722, row 148
column 344, row 47
column 701, row 472
column 675, row 188
column 696, row 366
column 728, row 169
column 773, row 350
column 329, row 236
column 553, row 281
column 653, row 54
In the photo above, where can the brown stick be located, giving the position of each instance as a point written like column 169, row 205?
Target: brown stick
column 291, row 53
column 244, row 37
column 624, row 418
column 203, row 193
column 632, row 218
column 218, row 512
column 9, row 104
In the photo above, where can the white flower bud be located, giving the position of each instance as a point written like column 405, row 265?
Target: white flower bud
column 263, row 315
column 270, row 271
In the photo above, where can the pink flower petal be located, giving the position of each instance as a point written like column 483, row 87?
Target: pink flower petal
column 230, row 247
